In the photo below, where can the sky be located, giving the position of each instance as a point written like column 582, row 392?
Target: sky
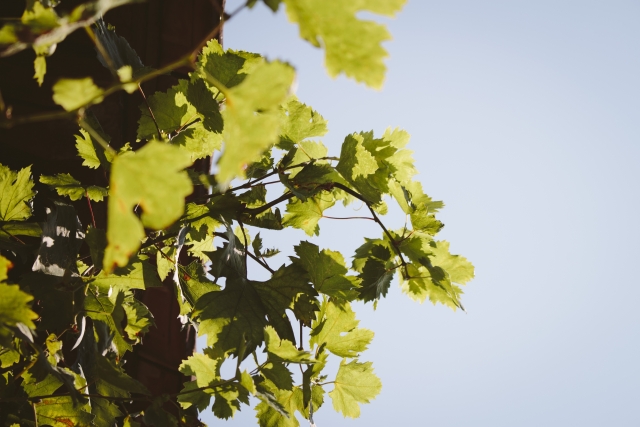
column 525, row 121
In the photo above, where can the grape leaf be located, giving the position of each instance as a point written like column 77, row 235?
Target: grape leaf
column 139, row 274
column 189, row 111
column 352, row 46
column 151, row 178
column 112, row 381
column 301, row 122
column 190, row 396
column 66, row 185
column 106, row 307
column 104, row 412
column 139, row 318
column 72, row 94
column 282, row 349
column 204, row 368
column 229, row 67
column 460, row 270
column 306, row 215
column 278, row 374
column 355, row 383
column 14, row 309
column 244, row 307
column 327, row 271
column 62, row 411
column 251, row 117
column 16, row 192
column 5, row 266
column 91, row 155
column 337, row 328
column 372, row 165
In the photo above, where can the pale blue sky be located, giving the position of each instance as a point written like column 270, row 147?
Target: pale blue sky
column 525, row 121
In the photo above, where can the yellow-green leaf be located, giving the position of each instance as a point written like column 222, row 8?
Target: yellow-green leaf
column 153, row 179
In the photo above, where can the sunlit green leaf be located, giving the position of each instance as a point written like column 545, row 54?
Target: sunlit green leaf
column 352, row 46
column 153, row 179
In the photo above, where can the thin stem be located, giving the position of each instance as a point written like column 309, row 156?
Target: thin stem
column 348, row 217
column 153, row 117
column 262, row 263
column 301, row 347
column 259, row 209
column 93, row 219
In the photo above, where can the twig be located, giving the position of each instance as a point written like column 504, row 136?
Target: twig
column 348, row 217
column 93, row 219
column 153, row 117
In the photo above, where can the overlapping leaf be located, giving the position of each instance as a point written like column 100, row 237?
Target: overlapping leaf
column 352, row 46
column 189, row 114
column 153, row 179
column 16, row 192
column 337, row 329
column 66, row 185
column 251, row 117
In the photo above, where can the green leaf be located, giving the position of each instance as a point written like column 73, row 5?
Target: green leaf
column 156, row 416
column 283, row 350
column 139, row 274
column 278, row 374
column 139, row 318
column 190, row 397
column 327, row 271
column 72, row 94
column 88, row 150
column 62, row 411
column 5, row 266
column 204, row 368
column 66, row 185
column 251, row 117
column 355, row 383
column 306, row 215
column 301, row 122
column 194, row 282
column 190, row 113
column 112, row 381
column 104, row 411
column 228, row 398
column 243, row 308
column 352, row 46
column 229, row 67
column 106, row 307
column 14, row 310
column 460, row 270
column 152, row 178
column 40, row 69
column 96, row 238
column 337, row 329
column 16, row 192
column 289, row 400
column 18, row 228
column 44, row 387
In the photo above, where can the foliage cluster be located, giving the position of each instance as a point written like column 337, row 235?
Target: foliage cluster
column 241, row 106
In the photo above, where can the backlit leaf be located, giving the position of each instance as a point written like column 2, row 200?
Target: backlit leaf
column 153, row 179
